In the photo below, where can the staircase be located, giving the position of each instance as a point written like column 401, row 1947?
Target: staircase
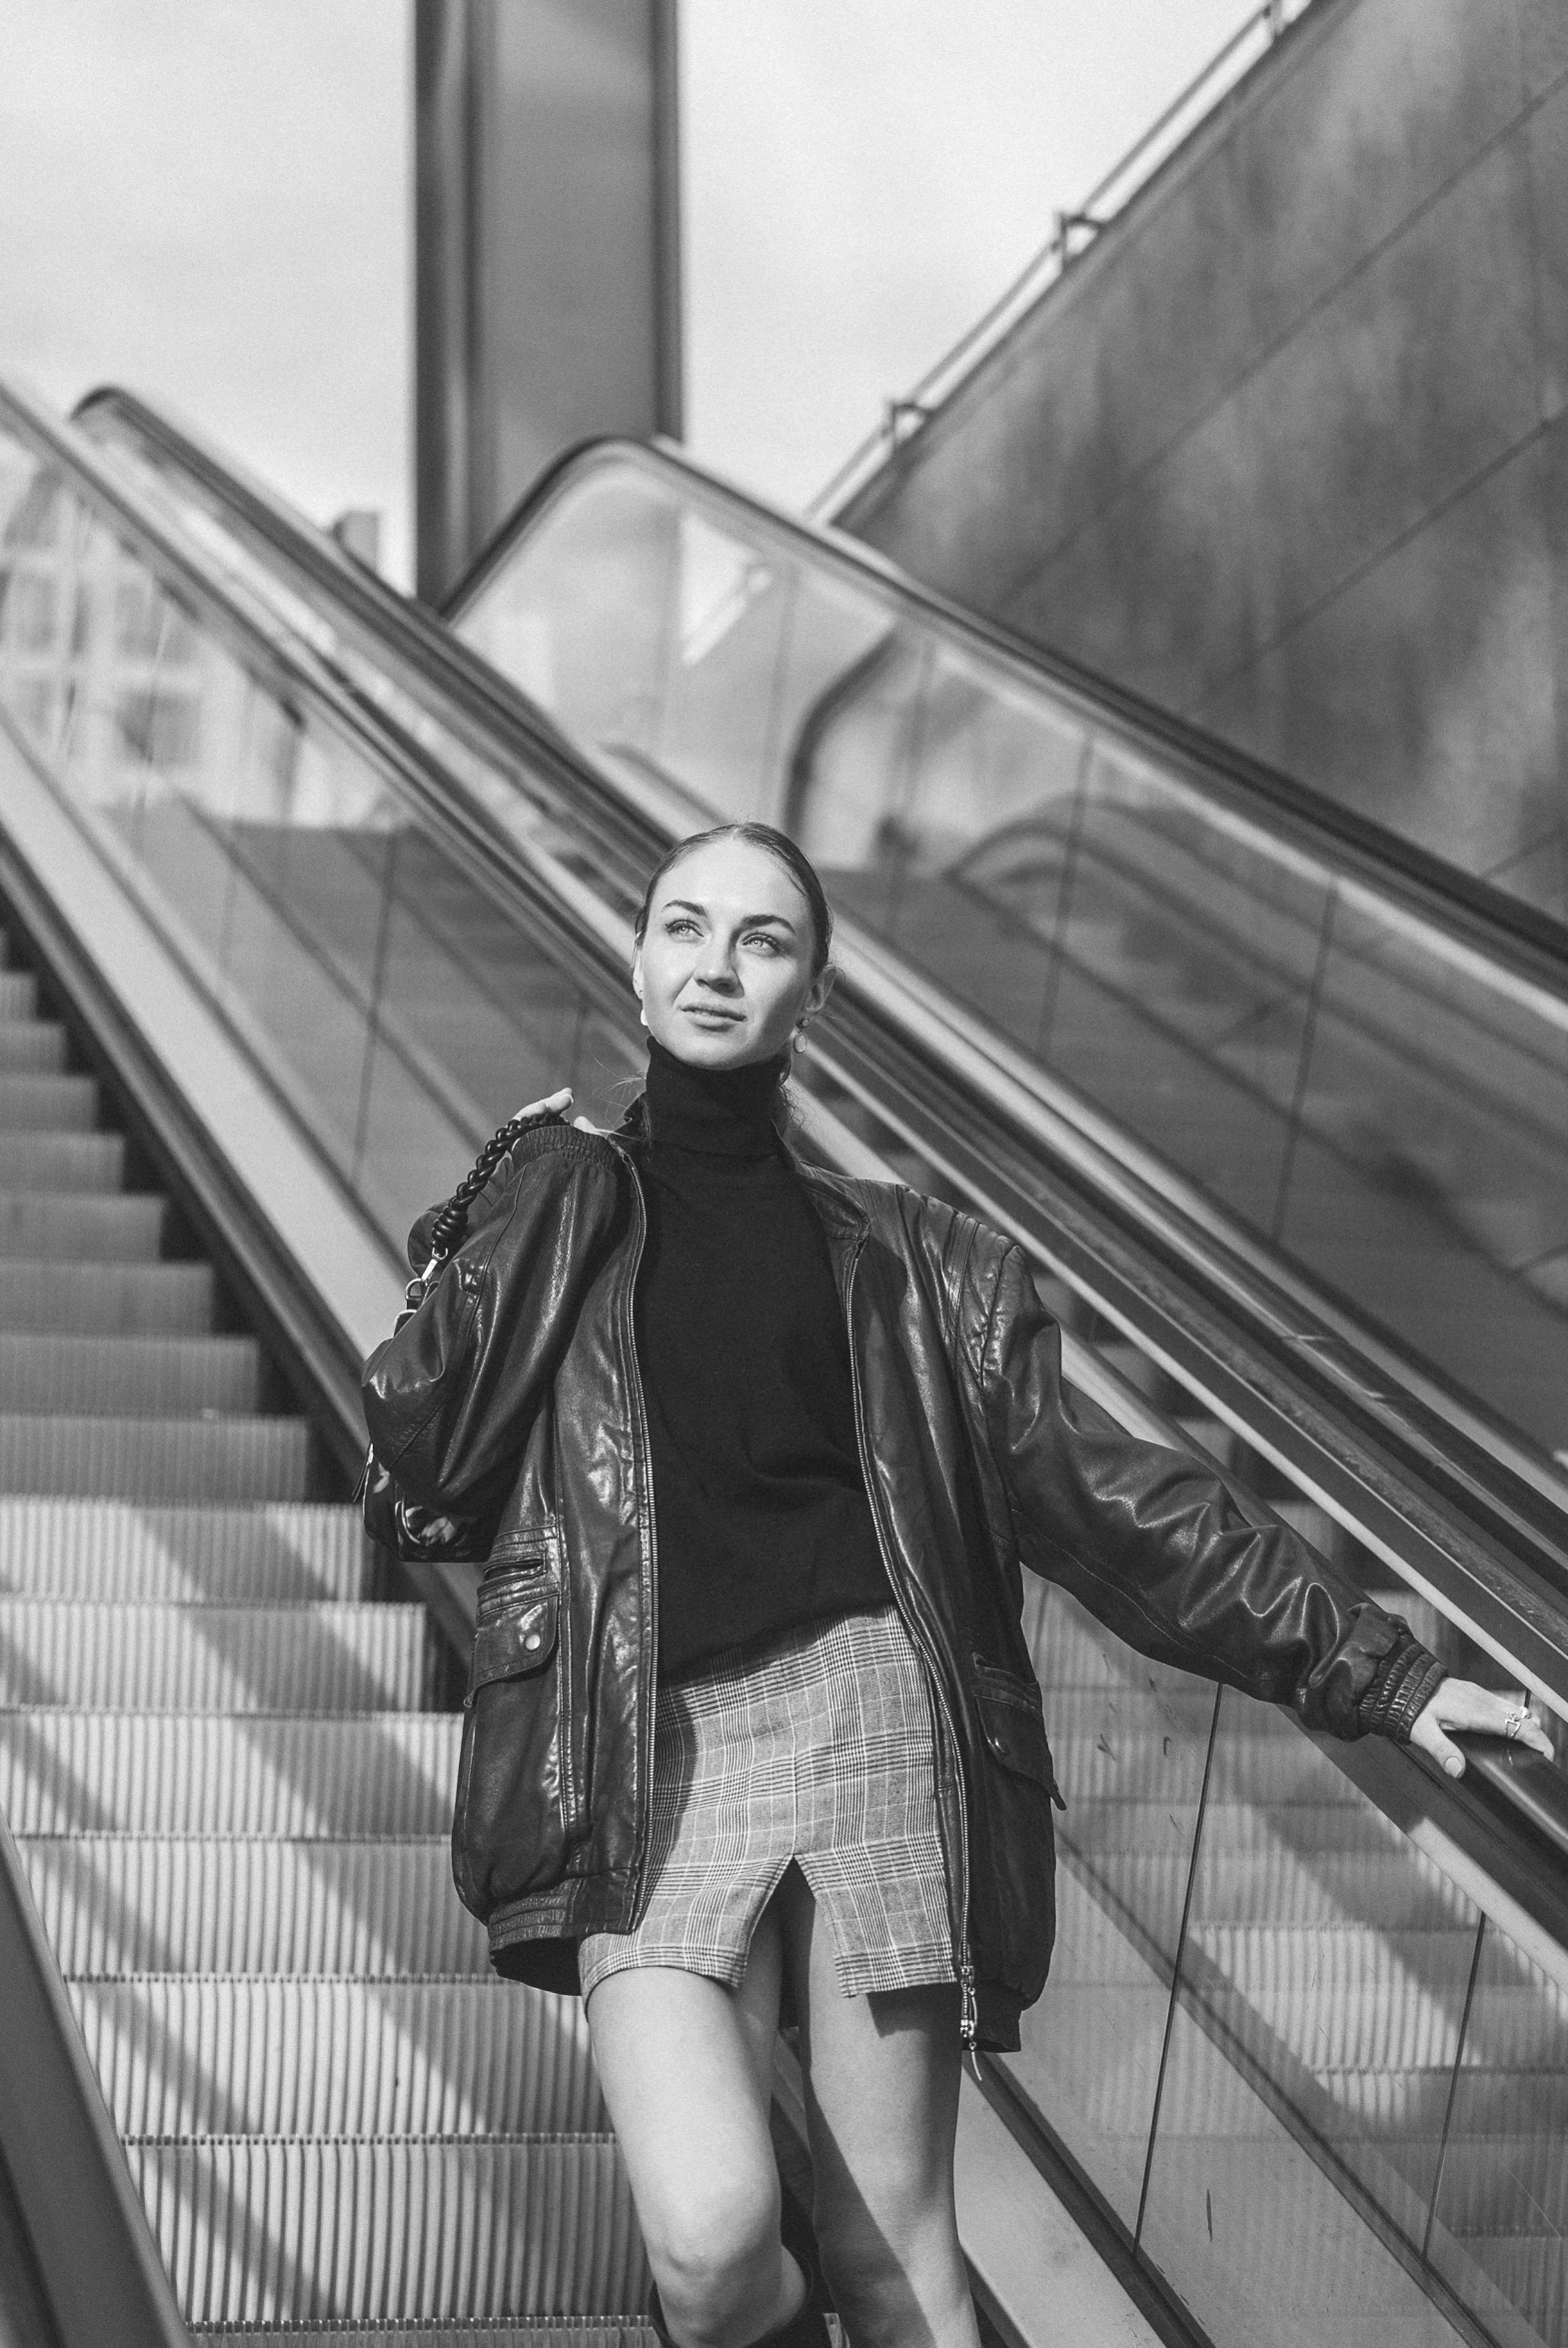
column 222, row 1760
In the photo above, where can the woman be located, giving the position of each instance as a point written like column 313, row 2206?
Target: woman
column 801, row 1744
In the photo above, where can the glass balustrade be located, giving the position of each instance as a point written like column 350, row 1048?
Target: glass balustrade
column 1321, row 2090
column 1375, row 1100
column 398, row 1013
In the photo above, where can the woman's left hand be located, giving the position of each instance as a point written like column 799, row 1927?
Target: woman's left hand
column 1460, row 1705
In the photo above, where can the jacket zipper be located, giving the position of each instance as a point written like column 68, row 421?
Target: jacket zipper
column 645, row 1477
column 968, row 2009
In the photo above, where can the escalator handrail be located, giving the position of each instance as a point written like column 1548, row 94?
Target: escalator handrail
column 1503, row 930
column 378, row 611
column 458, row 675
column 421, row 642
column 1539, row 1826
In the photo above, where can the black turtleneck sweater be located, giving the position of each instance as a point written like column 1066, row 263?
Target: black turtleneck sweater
column 761, row 1505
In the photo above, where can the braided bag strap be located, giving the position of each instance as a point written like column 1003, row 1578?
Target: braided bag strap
column 448, row 1231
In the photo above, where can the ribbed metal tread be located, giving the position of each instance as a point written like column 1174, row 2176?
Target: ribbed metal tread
column 556, row 2331
column 120, row 1904
column 1273, row 1886
column 262, row 2230
column 186, row 2057
column 61, row 1161
column 31, row 1047
column 233, row 1459
column 1138, row 1825
column 313, row 1655
column 127, row 1299
column 140, row 1378
column 46, row 1103
column 64, row 1548
column 182, row 1773
column 82, row 1227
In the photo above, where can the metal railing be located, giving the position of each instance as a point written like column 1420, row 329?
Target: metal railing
column 1073, row 233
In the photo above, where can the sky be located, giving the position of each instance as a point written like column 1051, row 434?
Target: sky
column 209, row 200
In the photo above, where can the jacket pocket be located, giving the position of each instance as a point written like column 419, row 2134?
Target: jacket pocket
column 1012, row 1716
column 510, row 1827
column 1014, row 1910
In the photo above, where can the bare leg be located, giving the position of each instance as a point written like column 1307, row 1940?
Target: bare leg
column 686, row 2069
column 881, row 2100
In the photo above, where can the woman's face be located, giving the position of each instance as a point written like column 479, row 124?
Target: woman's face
column 724, row 968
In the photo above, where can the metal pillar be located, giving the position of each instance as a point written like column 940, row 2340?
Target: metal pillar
column 546, row 249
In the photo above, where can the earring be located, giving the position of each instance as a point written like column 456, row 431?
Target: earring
column 798, row 1038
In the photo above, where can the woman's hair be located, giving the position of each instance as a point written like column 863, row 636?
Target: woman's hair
column 784, row 850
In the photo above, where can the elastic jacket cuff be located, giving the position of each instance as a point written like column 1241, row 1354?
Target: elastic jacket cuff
column 1403, row 1686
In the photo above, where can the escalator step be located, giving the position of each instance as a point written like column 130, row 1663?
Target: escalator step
column 123, row 1227
column 589, row 2331
column 182, row 2057
column 156, row 1459
column 1490, row 2182
column 310, row 1656
column 18, row 995
column 144, row 1377
column 125, row 1300
column 47, row 1103
column 61, row 1161
column 63, row 1548
column 118, row 1904
column 563, row 2331
column 1271, row 1886
column 364, row 2232
column 170, row 1773
column 1532, row 2272
column 1123, row 1763
column 32, row 1048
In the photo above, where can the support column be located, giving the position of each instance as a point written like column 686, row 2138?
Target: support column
column 546, row 249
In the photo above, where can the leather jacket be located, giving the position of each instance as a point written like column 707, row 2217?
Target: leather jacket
column 506, row 1424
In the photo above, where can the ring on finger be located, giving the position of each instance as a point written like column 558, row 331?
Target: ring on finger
column 1515, row 1721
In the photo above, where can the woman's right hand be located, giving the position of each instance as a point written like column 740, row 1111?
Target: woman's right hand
column 556, row 1104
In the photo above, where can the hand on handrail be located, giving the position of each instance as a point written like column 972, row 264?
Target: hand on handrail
column 1461, row 1704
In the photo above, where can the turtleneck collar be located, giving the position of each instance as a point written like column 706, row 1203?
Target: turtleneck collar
column 728, row 1112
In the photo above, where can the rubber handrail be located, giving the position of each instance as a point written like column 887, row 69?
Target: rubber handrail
column 434, row 656
column 451, row 665
column 1516, row 933
column 587, row 923
column 1505, row 929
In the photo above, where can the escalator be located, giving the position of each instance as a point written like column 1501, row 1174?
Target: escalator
column 324, row 898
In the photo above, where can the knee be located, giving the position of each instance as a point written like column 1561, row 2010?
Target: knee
column 715, row 2254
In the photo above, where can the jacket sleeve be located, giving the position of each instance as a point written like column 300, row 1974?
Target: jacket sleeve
column 449, row 1399
column 1166, row 1555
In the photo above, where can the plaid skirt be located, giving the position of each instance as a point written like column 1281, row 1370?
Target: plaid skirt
column 818, row 1748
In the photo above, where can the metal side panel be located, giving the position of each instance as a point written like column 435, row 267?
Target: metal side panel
column 81, row 2208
